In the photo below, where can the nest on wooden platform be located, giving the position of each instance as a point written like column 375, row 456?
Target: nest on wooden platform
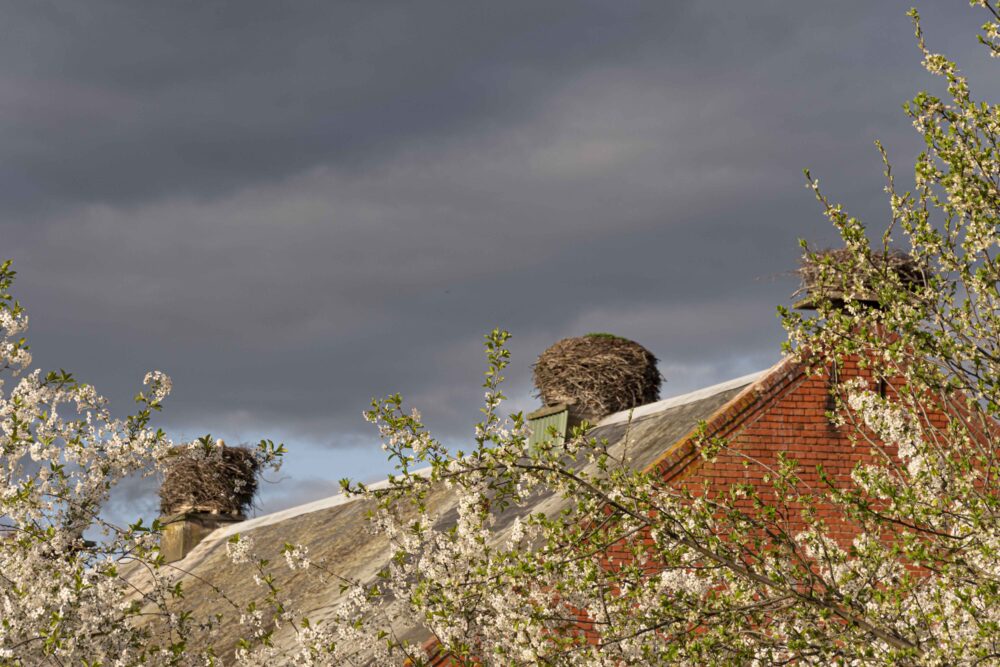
column 209, row 478
column 597, row 374
column 835, row 275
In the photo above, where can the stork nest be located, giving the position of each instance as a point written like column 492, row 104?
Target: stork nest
column 835, row 274
column 597, row 374
column 209, row 478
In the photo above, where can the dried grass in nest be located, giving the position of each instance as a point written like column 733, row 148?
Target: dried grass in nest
column 822, row 280
column 220, row 480
column 597, row 375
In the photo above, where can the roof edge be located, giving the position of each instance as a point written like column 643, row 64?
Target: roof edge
column 768, row 383
column 674, row 401
column 614, row 418
column 759, row 382
column 307, row 508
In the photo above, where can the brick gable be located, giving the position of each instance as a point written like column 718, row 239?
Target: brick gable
column 784, row 411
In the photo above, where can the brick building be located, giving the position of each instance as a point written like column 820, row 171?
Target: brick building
column 782, row 409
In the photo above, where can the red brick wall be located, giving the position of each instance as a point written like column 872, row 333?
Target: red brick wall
column 786, row 415
column 784, row 412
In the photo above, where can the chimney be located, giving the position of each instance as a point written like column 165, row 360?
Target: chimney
column 183, row 531
column 207, row 485
column 552, row 423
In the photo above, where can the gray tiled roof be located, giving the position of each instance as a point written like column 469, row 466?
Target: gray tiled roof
column 336, row 533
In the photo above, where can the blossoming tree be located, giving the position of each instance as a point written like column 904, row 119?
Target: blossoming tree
column 63, row 596
column 719, row 578
column 728, row 578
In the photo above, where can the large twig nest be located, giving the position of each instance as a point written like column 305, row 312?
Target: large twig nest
column 836, row 275
column 597, row 374
column 209, row 477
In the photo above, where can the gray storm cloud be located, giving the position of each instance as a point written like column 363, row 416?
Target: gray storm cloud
column 292, row 208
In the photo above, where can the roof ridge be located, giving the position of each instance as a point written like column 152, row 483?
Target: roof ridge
column 225, row 532
column 683, row 399
column 298, row 510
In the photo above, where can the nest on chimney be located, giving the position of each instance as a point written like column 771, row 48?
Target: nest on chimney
column 597, row 374
column 209, row 477
column 836, row 275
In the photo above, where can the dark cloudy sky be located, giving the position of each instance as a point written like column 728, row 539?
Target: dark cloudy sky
column 293, row 207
